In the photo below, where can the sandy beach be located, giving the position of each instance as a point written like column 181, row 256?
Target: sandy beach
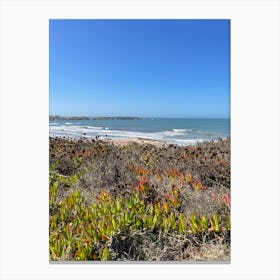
column 141, row 141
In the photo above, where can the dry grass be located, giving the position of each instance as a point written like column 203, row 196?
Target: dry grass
column 91, row 167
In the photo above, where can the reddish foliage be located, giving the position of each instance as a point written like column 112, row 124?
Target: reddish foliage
column 227, row 199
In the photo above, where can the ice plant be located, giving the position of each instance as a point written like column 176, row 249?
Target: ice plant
column 198, row 186
column 227, row 200
column 166, row 208
column 106, row 256
column 216, row 223
column 80, row 231
column 189, row 179
column 105, row 195
column 204, row 223
column 194, row 223
column 172, row 221
column 182, row 223
column 228, row 224
column 165, row 224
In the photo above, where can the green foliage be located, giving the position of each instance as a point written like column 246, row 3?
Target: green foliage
column 216, row 223
column 194, row 221
column 228, row 223
column 78, row 230
column 204, row 223
column 156, row 187
column 182, row 223
column 106, row 256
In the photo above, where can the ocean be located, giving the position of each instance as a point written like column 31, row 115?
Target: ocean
column 180, row 131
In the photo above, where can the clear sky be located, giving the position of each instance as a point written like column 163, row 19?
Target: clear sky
column 145, row 68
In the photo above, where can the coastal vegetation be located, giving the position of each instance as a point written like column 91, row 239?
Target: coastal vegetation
column 143, row 202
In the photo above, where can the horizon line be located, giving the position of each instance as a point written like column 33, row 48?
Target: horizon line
column 142, row 117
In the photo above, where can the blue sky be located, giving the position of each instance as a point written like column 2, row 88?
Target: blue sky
column 145, row 68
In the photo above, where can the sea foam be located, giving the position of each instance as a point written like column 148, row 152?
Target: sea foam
column 180, row 136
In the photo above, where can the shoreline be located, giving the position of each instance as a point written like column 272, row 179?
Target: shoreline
column 135, row 140
column 141, row 141
column 117, row 141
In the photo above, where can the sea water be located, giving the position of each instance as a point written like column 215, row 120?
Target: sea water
column 180, row 131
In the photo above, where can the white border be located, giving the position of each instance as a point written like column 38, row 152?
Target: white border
column 254, row 130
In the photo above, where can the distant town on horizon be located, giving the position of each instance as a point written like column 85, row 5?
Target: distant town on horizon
column 67, row 118
column 62, row 118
